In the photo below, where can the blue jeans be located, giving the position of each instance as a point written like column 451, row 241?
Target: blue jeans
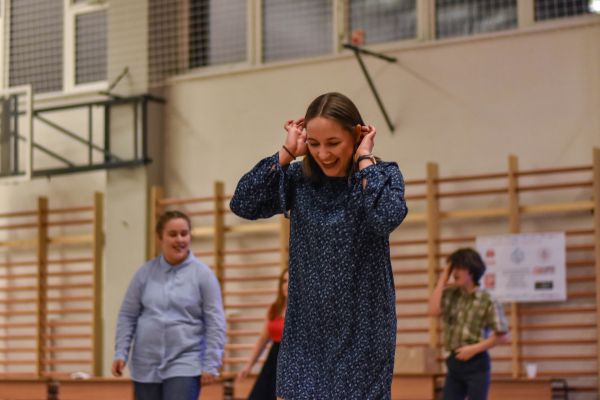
column 177, row 388
column 469, row 378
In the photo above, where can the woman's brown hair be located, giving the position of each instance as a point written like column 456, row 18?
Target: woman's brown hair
column 280, row 302
column 167, row 216
column 336, row 107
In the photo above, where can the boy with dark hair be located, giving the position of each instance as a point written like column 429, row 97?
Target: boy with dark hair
column 473, row 323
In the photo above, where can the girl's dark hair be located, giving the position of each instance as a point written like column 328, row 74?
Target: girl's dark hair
column 470, row 260
column 169, row 215
column 280, row 302
column 338, row 108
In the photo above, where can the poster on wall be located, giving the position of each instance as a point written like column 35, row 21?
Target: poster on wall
column 524, row 267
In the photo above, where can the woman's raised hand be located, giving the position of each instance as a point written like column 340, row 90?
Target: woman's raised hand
column 367, row 140
column 296, row 136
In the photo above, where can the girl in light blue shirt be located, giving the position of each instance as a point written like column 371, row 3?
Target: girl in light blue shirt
column 172, row 313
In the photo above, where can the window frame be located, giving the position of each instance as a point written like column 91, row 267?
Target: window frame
column 71, row 11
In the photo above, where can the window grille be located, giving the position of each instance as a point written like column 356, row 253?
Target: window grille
column 468, row 17
column 383, row 20
column 552, row 9
column 296, row 28
column 91, row 47
column 36, row 44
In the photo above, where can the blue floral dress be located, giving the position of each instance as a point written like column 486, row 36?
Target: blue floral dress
column 339, row 335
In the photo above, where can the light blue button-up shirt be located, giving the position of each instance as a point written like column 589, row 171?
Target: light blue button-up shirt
column 174, row 316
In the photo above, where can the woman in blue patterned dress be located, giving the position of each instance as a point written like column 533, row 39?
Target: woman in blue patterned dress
column 340, row 326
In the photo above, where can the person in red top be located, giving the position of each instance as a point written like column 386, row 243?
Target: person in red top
column 264, row 387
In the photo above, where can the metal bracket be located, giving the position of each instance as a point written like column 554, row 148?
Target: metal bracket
column 357, row 53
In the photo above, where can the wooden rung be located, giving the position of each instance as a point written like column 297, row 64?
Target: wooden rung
column 568, row 357
column 235, row 333
column 247, row 305
column 66, row 299
column 11, row 264
column 17, row 288
column 580, row 263
column 415, row 197
column 67, row 286
column 18, row 226
column 412, row 271
column 252, row 251
column 71, row 260
column 558, row 342
column 18, row 243
column 11, row 313
column 18, row 214
column 71, row 240
column 415, row 300
column 411, row 182
column 17, row 337
column 554, row 310
column 256, row 264
column 412, row 344
column 552, row 186
column 71, row 311
column 464, row 193
column 581, row 279
column 458, row 239
column 557, row 208
column 18, row 276
column 17, row 362
column 70, row 210
column 475, row 213
column 532, row 327
column 238, row 360
column 67, row 349
column 412, row 315
column 55, row 322
column 579, row 232
column 249, row 292
column 410, row 286
column 418, row 256
column 476, row 177
column 412, row 330
column 18, row 325
column 70, row 273
column 54, row 336
column 567, row 373
column 28, row 300
column 184, row 200
column 239, row 319
column 85, row 221
column 252, row 278
column 81, row 361
column 18, row 350
column 580, row 247
column 558, row 170
column 584, row 294
column 407, row 242
column 204, row 231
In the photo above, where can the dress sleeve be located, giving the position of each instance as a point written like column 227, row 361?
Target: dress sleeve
column 382, row 198
column 214, row 320
column 496, row 320
column 131, row 308
column 263, row 191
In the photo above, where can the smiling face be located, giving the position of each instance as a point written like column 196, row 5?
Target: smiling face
column 175, row 240
column 330, row 145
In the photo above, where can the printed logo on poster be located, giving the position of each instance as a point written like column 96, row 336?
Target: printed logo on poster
column 525, row 267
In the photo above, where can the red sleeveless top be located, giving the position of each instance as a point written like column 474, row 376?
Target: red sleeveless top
column 276, row 329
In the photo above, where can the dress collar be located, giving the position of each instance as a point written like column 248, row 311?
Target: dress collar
column 166, row 267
